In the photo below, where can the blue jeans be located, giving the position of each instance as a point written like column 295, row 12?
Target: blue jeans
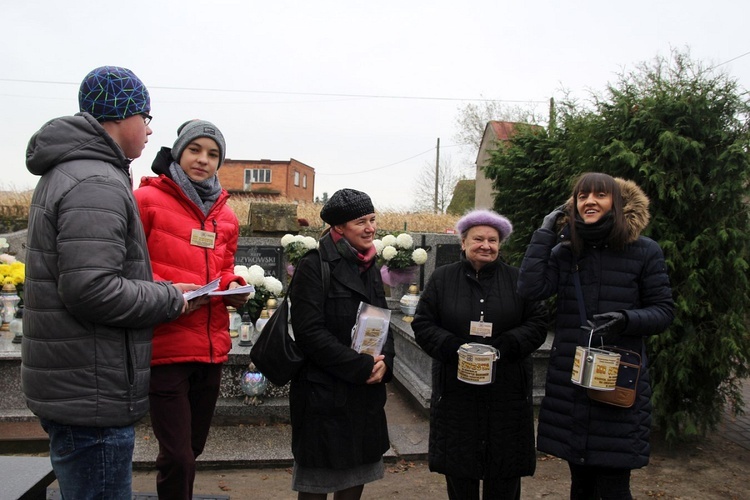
column 92, row 462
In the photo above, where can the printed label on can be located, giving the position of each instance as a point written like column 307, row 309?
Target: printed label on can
column 476, row 368
column 604, row 374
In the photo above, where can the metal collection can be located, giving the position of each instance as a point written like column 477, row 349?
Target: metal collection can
column 595, row 368
column 476, row 363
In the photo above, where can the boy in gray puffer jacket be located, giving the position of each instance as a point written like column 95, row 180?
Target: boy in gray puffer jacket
column 90, row 300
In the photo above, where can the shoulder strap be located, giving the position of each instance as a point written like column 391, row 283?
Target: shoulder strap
column 325, row 271
column 579, row 294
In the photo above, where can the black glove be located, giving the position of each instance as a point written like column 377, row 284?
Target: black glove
column 551, row 219
column 610, row 323
column 449, row 349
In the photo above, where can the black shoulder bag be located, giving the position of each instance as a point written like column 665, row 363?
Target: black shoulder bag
column 275, row 353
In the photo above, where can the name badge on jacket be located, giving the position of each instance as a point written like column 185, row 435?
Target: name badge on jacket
column 480, row 329
column 204, row 239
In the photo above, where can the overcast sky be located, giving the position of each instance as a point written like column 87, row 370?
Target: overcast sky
column 360, row 91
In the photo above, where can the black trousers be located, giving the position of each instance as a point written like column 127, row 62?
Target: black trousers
column 599, row 483
column 492, row 488
column 182, row 397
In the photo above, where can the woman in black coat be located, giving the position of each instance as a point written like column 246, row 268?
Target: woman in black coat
column 625, row 291
column 480, row 432
column 337, row 400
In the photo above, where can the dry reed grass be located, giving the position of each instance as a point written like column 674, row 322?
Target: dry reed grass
column 10, row 197
column 390, row 221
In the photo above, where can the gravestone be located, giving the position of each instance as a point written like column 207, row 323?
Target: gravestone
column 268, row 256
column 272, row 219
column 441, row 249
column 447, row 253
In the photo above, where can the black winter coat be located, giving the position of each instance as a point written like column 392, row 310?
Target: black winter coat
column 632, row 280
column 338, row 421
column 480, row 430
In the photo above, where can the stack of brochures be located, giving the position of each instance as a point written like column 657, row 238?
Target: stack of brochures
column 212, row 290
column 371, row 329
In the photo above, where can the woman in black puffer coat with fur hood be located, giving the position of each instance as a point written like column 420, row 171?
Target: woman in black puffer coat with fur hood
column 626, row 293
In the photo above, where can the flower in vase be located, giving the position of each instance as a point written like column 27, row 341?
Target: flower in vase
column 266, row 287
column 398, row 252
column 296, row 246
column 398, row 258
column 11, row 271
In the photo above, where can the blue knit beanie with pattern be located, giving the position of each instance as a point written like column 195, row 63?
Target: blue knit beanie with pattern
column 113, row 93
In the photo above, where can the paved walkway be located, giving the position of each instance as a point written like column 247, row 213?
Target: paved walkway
column 271, row 445
column 737, row 428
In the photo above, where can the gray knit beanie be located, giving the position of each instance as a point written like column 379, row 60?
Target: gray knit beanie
column 345, row 205
column 194, row 129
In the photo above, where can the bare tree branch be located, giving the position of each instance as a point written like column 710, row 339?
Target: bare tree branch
column 424, row 190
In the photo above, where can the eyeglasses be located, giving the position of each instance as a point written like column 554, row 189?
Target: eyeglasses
column 146, row 118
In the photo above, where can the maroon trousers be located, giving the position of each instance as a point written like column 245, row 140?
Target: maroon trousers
column 182, row 397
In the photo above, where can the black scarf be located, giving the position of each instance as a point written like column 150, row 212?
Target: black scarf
column 596, row 233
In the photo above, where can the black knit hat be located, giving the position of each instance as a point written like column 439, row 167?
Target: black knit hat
column 345, row 205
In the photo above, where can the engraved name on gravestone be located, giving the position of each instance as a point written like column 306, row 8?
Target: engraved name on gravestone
column 270, row 258
column 447, row 254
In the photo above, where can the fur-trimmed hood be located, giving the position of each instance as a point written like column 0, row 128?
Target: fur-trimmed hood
column 635, row 203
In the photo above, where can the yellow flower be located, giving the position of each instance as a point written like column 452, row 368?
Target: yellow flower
column 17, row 277
column 11, row 271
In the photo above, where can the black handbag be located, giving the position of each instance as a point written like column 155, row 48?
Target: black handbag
column 275, row 353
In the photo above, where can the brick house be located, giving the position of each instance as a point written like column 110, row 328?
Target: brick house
column 269, row 179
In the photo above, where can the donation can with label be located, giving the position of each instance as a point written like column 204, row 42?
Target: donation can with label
column 595, row 368
column 476, row 363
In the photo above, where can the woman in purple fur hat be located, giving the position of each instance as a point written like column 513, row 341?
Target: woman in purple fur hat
column 480, row 432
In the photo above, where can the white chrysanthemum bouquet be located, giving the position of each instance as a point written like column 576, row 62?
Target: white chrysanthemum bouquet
column 265, row 288
column 295, row 247
column 398, row 258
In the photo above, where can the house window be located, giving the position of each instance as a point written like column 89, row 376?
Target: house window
column 257, row 175
column 304, row 181
column 296, row 178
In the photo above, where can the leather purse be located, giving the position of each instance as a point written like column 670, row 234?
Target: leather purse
column 275, row 353
column 627, row 380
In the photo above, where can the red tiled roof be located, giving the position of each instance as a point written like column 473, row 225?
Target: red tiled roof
column 503, row 130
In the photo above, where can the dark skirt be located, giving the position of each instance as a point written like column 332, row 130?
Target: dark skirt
column 322, row 480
